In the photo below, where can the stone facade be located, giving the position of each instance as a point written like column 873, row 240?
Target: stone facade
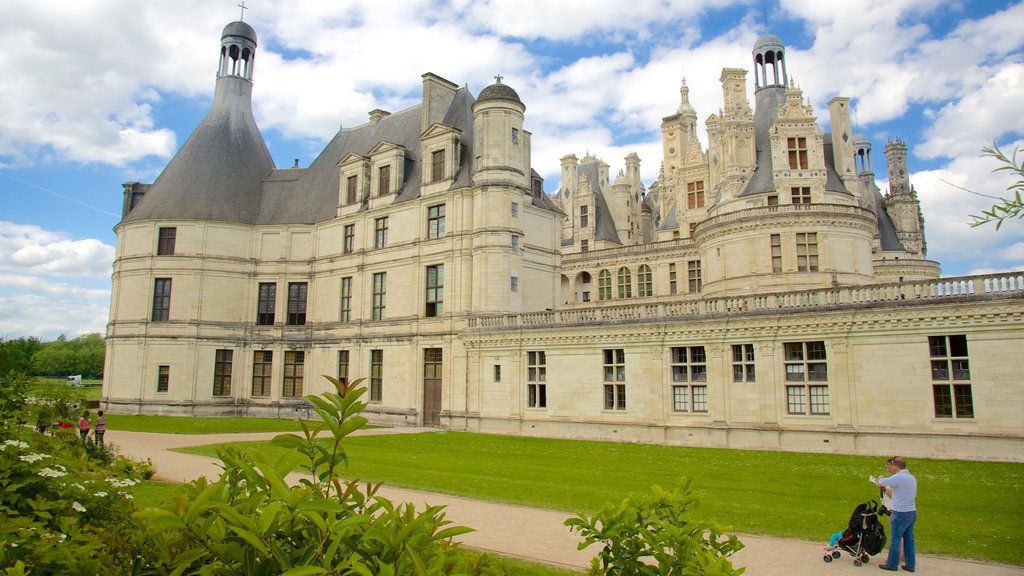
column 761, row 294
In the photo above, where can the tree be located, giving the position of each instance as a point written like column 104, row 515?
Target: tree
column 62, row 357
column 1007, row 207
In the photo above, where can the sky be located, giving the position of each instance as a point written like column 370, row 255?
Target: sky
column 96, row 93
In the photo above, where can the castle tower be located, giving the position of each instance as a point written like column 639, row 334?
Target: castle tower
column 901, row 201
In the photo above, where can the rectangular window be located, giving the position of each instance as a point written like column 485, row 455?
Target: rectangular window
column 797, row 153
column 776, row 241
column 435, row 291
column 435, row 221
column 514, row 284
column 689, row 364
column 584, row 216
column 384, row 180
column 297, row 303
column 773, row 200
column 672, row 287
column 693, row 229
column 351, row 190
column 165, row 244
column 376, row 375
column 163, row 378
column 536, row 379
column 380, row 289
column 515, row 209
column 346, row 300
column 262, row 364
column 222, row 372
column 693, row 275
column 161, row 299
column 644, row 281
column 266, row 304
column 343, row 366
column 693, row 398
column 515, row 242
column 584, row 246
column 349, row 242
column 951, row 376
column 801, row 195
column 806, row 362
column 743, row 363
column 497, row 372
column 293, row 368
column 380, row 232
column 807, row 252
column 614, row 379
column 695, row 194
column 515, row 135
column 437, row 166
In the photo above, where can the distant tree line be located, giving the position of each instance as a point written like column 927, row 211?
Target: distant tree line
column 61, row 357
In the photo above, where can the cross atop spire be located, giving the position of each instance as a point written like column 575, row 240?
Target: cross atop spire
column 498, row 78
column 244, row 8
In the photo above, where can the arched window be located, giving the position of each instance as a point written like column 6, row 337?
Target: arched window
column 644, row 282
column 604, row 285
column 625, row 283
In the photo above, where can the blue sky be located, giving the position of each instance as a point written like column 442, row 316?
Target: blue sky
column 95, row 93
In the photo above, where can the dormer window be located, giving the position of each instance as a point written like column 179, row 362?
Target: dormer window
column 387, row 161
column 354, row 171
column 351, row 189
column 384, row 180
column 797, row 153
column 441, row 147
column 437, row 165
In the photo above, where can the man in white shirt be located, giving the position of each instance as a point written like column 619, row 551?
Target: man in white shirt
column 904, row 513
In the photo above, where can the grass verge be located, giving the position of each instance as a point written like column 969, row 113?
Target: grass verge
column 193, row 425
column 966, row 509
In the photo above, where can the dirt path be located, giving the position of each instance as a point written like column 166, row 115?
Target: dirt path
column 533, row 533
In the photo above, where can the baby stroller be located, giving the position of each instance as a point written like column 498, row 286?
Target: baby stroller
column 864, row 535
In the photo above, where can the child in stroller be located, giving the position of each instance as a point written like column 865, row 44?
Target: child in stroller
column 864, row 535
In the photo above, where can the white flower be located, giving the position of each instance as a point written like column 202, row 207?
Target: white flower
column 77, row 507
column 16, row 444
column 100, row 494
column 30, row 458
column 51, row 473
column 79, row 486
column 127, row 495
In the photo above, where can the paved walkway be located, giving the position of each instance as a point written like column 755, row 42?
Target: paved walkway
column 537, row 534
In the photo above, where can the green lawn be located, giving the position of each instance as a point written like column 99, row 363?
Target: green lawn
column 194, row 425
column 967, row 509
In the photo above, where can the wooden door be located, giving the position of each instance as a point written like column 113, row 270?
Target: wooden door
column 432, row 361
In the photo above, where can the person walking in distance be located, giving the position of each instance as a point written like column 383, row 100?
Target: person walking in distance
column 904, row 513
column 83, row 425
column 100, row 428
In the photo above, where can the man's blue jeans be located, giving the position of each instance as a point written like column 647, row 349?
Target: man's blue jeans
column 902, row 527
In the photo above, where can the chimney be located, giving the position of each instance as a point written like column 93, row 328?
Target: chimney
column 376, row 114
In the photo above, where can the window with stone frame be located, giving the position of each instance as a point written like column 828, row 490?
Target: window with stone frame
column 584, row 246
column 297, row 293
column 807, row 251
column 161, row 300
column 695, row 194
column 166, row 241
column 515, row 209
column 262, row 367
column 380, row 232
column 222, row 372
column 514, row 284
column 376, row 375
column 797, row 148
column 693, row 276
column 536, row 379
column 689, row 379
column 692, row 229
column 776, row 244
column 497, row 372
column 672, row 285
column 294, row 367
column 351, row 189
column 266, row 304
column 806, row 378
column 743, row 363
column 644, row 282
column 604, row 285
column 379, row 296
column 584, row 216
column 343, row 367
column 349, row 239
column 437, row 160
column 163, row 379
column 345, row 305
column 801, row 194
column 614, row 378
column 384, row 180
column 625, row 278
column 951, row 376
column 435, row 221
column 435, row 291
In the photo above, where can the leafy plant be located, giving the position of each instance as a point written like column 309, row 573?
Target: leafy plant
column 656, row 533
column 1007, row 207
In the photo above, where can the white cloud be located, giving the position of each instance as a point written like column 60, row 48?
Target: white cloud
column 26, row 249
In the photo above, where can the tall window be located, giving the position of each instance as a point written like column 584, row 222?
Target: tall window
column 384, row 180
column 165, row 244
column 797, row 153
column 806, row 363
column 435, row 221
column 349, row 242
column 695, row 194
column 801, row 194
column 376, row 375
column 689, row 379
column 267, row 304
column 380, row 232
column 222, row 372
column 161, row 299
column 297, row 303
column 380, row 289
column 515, row 135
column 776, row 241
column 644, row 281
column 293, row 368
column 346, row 300
column 614, row 379
column 584, row 216
column 693, row 229
column 536, row 379
column 584, row 246
column 497, row 372
column 515, row 209
column 693, row 275
column 163, row 378
column 743, row 363
column 435, row 290
column 807, row 251
column 604, row 285
column 951, row 377
column 514, row 284
column 262, row 364
column 625, row 283
column 672, row 286
column 343, row 366
column 515, row 242
column 437, row 166
column 351, row 189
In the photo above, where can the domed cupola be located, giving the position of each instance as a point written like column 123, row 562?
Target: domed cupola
column 237, row 50
column 769, row 62
column 500, row 146
column 499, row 91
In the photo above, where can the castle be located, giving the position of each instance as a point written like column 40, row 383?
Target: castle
column 762, row 293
